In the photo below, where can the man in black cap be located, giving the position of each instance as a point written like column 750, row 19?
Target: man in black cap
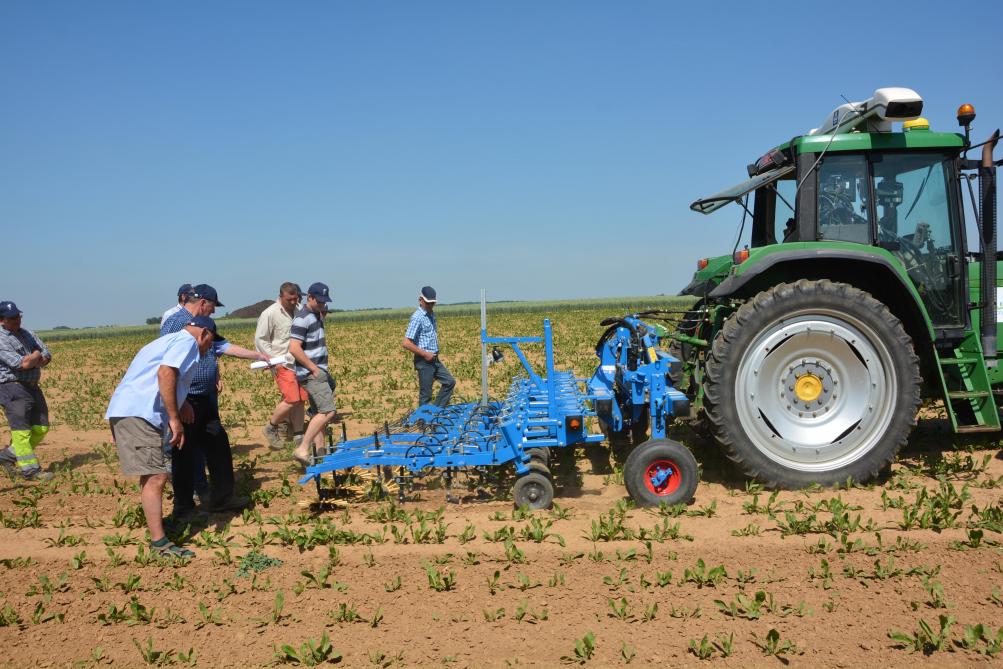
column 422, row 339
column 182, row 296
column 22, row 357
column 204, row 431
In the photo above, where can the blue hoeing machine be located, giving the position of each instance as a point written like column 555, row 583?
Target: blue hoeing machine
column 630, row 388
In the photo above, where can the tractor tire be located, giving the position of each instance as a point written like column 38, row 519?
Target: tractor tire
column 660, row 471
column 812, row 382
column 533, row 490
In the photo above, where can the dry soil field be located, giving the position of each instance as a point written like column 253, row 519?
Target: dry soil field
column 906, row 572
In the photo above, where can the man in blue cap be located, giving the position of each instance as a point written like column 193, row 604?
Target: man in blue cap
column 308, row 347
column 146, row 413
column 422, row 339
column 182, row 297
column 22, row 357
column 204, row 431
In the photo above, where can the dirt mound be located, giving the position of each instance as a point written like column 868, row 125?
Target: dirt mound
column 250, row 311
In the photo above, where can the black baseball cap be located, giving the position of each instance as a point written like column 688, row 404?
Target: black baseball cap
column 184, row 289
column 9, row 310
column 204, row 291
column 320, row 292
column 207, row 323
column 428, row 294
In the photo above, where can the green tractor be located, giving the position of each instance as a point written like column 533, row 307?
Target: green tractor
column 808, row 351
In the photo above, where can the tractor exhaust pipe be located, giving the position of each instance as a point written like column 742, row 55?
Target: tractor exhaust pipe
column 987, row 207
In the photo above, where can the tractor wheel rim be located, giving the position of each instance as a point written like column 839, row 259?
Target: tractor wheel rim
column 816, row 391
column 655, row 470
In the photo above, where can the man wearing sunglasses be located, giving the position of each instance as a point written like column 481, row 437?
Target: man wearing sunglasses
column 22, row 357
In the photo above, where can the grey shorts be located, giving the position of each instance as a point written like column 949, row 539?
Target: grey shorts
column 140, row 447
column 321, row 392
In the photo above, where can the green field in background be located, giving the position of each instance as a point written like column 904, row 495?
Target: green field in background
column 615, row 305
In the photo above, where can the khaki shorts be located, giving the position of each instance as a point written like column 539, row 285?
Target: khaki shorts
column 321, row 392
column 140, row 447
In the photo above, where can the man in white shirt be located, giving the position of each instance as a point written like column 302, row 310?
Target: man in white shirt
column 272, row 338
column 183, row 292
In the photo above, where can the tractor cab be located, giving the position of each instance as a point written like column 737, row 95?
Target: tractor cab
column 854, row 182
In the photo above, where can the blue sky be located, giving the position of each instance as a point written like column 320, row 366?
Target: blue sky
column 541, row 150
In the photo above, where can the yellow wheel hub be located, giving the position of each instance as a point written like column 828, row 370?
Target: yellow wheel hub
column 808, row 387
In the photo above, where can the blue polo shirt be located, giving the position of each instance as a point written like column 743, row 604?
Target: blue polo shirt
column 138, row 394
column 207, row 372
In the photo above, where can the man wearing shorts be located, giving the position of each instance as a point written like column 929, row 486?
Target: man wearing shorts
column 272, row 338
column 308, row 346
column 22, row 357
column 148, row 408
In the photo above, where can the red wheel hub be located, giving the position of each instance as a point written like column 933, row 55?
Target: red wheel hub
column 662, row 477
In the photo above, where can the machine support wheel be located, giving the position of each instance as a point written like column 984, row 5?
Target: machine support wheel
column 812, row 382
column 660, row 470
column 533, row 490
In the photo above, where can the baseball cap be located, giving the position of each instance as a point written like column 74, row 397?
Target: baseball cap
column 320, row 292
column 9, row 310
column 184, row 289
column 204, row 291
column 207, row 323
column 428, row 294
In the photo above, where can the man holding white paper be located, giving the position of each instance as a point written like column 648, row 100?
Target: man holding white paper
column 272, row 338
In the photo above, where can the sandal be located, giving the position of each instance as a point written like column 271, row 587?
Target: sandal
column 172, row 550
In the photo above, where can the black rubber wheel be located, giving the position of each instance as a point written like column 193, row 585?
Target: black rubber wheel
column 537, row 465
column 660, row 470
column 533, row 490
column 812, row 382
column 541, row 453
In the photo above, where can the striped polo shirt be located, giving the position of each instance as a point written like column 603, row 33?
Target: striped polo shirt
column 309, row 329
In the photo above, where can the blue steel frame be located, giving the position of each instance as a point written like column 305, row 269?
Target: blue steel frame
column 538, row 412
column 636, row 377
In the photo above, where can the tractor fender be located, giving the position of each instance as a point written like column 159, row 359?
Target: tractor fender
column 875, row 271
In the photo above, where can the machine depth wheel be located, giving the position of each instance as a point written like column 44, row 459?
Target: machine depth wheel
column 812, row 382
column 533, row 490
column 660, row 470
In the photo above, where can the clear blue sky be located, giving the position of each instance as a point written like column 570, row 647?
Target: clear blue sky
column 541, row 150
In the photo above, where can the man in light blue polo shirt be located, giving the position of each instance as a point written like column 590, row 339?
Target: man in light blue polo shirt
column 148, row 408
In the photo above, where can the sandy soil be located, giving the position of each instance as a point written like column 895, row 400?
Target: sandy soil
column 561, row 593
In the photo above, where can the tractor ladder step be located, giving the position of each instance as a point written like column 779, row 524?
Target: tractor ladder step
column 958, row 361
column 963, row 429
column 968, row 394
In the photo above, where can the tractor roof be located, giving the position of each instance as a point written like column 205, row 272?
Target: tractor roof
column 854, row 141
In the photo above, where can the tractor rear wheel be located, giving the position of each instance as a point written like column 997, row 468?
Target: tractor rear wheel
column 812, row 382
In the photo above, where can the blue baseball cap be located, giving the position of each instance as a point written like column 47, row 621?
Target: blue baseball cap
column 204, row 291
column 207, row 323
column 320, row 292
column 428, row 294
column 9, row 310
column 185, row 289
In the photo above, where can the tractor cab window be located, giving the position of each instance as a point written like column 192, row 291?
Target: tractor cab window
column 843, row 214
column 784, row 220
column 912, row 195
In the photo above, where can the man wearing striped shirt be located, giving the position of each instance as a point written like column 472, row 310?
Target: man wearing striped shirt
column 422, row 339
column 308, row 346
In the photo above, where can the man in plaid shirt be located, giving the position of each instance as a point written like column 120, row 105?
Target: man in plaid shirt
column 22, row 357
column 422, row 339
